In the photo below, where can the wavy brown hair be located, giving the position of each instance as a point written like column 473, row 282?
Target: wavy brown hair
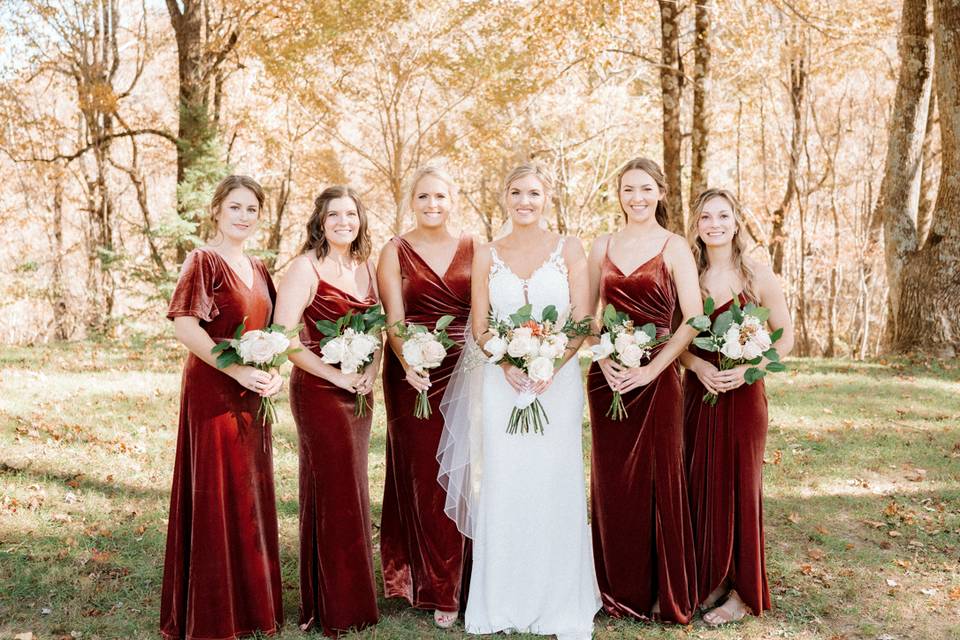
column 317, row 241
column 223, row 189
column 740, row 263
column 652, row 169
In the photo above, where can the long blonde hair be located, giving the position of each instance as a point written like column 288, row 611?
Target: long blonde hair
column 740, row 263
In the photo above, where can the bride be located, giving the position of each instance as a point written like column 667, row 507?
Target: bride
column 526, row 510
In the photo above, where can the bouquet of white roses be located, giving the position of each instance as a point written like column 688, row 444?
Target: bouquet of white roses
column 424, row 350
column 626, row 345
column 352, row 342
column 741, row 337
column 534, row 347
column 264, row 349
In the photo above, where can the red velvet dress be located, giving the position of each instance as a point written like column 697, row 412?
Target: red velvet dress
column 420, row 547
column 221, row 573
column 724, row 456
column 337, row 589
column 642, row 535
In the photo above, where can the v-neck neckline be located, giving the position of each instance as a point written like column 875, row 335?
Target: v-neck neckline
column 366, row 296
column 638, row 267
column 441, row 277
column 623, row 273
column 236, row 275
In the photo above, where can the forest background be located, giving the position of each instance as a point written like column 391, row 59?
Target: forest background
column 826, row 119
column 837, row 124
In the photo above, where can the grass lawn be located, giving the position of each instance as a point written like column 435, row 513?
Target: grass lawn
column 862, row 504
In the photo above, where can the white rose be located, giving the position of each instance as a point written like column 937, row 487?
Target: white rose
column 623, row 340
column 496, row 347
column 541, row 369
column 362, row 346
column 520, row 346
column 350, row 364
column 751, row 350
column 553, row 346
column 433, row 353
column 413, row 353
column 731, row 343
column 632, row 356
column 641, row 337
column 256, row 347
column 602, row 350
column 523, row 332
column 332, row 352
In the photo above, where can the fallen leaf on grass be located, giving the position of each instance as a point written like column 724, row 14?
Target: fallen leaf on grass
column 815, row 554
column 893, row 533
column 806, row 569
column 27, row 635
column 891, row 509
column 954, row 593
column 822, row 530
column 874, row 524
column 928, row 592
column 892, row 583
column 794, row 518
column 100, row 557
column 917, row 475
column 902, row 563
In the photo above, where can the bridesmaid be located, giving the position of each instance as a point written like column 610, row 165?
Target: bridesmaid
column 424, row 274
column 642, row 535
column 330, row 277
column 221, row 573
column 724, row 443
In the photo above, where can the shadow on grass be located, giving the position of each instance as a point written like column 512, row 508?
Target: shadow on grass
column 117, row 489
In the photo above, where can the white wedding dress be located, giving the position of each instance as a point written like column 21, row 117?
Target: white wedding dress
column 532, row 559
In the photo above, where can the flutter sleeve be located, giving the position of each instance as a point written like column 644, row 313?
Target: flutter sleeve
column 193, row 295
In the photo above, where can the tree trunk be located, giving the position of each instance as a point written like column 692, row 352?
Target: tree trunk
column 928, row 318
column 58, row 290
column 671, row 86
column 928, row 175
column 900, row 189
column 798, row 83
column 701, row 97
column 198, row 61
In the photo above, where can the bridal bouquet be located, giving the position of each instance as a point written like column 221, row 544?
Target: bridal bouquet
column 424, row 350
column 626, row 345
column 264, row 349
column 741, row 337
column 535, row 347
column 352, row 341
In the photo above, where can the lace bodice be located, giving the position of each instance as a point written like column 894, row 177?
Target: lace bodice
column 547, row 285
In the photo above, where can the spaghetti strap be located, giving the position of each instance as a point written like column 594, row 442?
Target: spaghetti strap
column 370, row 289
column 664, row 247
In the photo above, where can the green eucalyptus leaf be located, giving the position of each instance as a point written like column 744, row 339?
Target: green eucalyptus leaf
column 700, row 323
column 706, row 343
column 776, row 335
column 708, row 306
column 443, row 323
column 329, row 328
column 753, row 374
column 776, row 367
column 771, row 355
column 722, row 323
column 549, row 314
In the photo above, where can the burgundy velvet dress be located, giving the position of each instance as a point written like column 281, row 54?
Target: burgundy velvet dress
column 420, row 547
column 724, row 457
column 337, row 589
column 221, row 573
column 642, row 535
